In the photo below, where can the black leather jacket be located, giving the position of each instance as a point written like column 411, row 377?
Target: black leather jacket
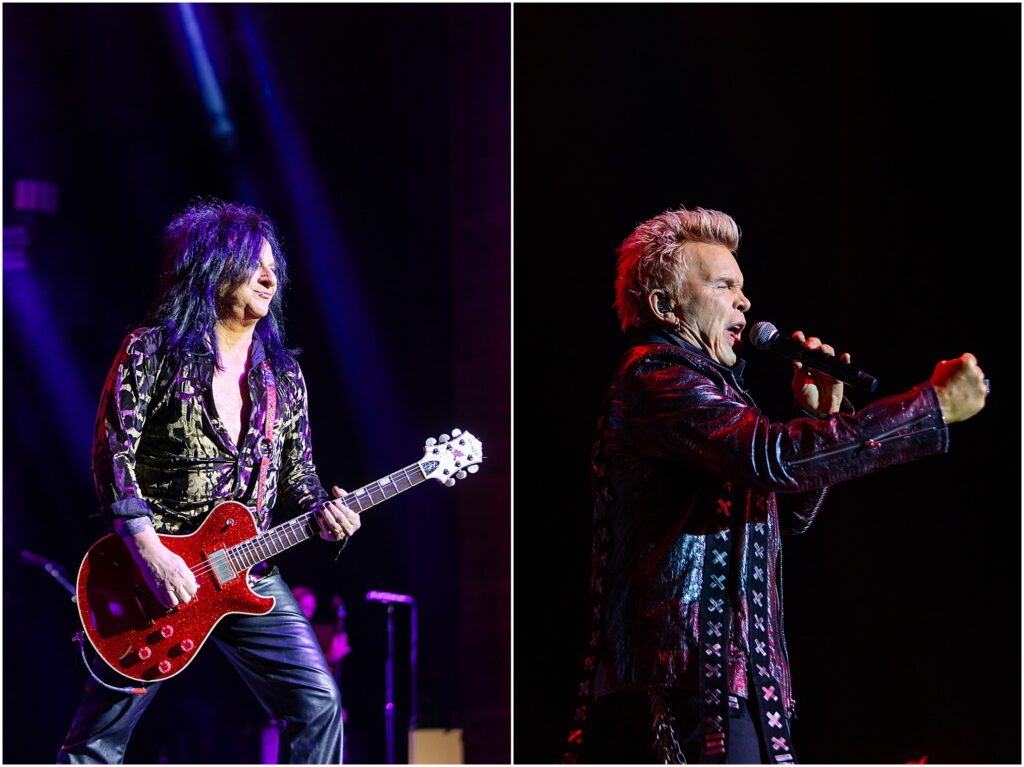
column 680, row 434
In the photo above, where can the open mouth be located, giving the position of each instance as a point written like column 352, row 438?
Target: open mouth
column 734, row 331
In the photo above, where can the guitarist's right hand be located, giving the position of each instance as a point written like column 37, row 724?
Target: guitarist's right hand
column 166, row 574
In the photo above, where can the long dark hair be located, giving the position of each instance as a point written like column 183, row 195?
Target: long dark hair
column 211, row 246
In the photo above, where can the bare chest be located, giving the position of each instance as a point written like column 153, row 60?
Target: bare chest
column 231, row 398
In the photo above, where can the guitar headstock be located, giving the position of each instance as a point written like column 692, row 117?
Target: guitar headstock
column 447, row 459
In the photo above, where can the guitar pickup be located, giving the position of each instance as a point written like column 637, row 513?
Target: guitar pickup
column 223, row 571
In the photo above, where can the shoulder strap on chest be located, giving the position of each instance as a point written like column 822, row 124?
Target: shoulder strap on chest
column 270, row 385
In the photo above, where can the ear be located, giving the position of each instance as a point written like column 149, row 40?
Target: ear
column 662, row 307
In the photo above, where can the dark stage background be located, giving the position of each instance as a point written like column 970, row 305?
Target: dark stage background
column 870, row 155
column 378, row 138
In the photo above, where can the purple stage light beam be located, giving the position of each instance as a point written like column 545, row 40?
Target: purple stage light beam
column 216, row 108
column 56, row 369
column 346, row 314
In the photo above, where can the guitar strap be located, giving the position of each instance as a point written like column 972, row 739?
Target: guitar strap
column 716, row 633
column 766, row 692
column 267, row 446
column 578, row 745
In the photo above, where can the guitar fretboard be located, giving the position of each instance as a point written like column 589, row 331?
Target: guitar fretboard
column 305, row 526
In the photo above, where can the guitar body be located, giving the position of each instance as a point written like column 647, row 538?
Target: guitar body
column 144, row 641
column 131, row 631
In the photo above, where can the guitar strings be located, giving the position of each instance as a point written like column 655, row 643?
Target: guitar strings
column 253, row 544
column 151, row 603
column 301, row 528
column 304, row 523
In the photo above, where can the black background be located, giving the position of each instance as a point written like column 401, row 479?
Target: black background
column 403, row 117
column 870, row 154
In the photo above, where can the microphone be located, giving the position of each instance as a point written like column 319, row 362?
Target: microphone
column 766, row 337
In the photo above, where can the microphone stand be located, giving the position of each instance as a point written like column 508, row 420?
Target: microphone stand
column 58, row 573
column 389, row 689
column 389, row 671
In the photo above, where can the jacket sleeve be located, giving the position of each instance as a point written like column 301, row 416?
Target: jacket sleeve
column 120, row 418
column 682, row 414
column 797, row 511
column 298, row 481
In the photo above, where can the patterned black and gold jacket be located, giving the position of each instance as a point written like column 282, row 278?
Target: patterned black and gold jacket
column 685, row 462
column 162, row 455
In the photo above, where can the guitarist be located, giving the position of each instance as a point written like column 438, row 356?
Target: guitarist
column 182, row 426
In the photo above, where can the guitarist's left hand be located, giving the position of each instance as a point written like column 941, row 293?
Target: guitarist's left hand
column 337, row 520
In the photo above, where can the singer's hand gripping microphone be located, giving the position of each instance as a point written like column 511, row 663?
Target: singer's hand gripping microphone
column 766, row 337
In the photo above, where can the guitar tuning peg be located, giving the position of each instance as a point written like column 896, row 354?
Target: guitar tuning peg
column 449, row 482
column 456, row 432
column 473, row 469
column 430, row 441
column 460, row 475
column 444, row 438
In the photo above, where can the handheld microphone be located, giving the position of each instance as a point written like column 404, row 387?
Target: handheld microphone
column 766, row 337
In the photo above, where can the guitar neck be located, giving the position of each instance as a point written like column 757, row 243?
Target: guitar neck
column 262, row 547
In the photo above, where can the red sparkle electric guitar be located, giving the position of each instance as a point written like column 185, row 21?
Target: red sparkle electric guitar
column 147, row 642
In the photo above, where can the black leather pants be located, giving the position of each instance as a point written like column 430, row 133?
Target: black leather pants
column 279, row 658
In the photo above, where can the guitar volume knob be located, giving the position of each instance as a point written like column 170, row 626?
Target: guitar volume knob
column 144, row 653
column 187, row 645
column 164, row 666
column 167, row 632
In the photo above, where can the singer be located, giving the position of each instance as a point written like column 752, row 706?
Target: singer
column 182, row 426
column 693, row 488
